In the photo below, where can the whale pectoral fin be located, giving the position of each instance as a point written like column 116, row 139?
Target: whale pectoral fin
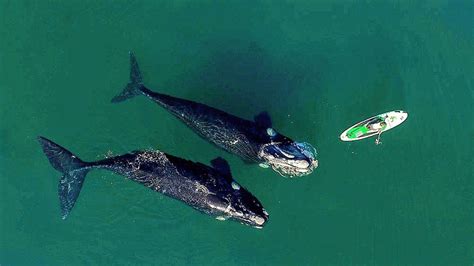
column 263, row 120
column 221, row 165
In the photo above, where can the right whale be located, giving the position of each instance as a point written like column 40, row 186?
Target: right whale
column 211, row 190
column 254, row 141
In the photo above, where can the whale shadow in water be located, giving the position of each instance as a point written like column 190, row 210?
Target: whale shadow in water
column 244, row 79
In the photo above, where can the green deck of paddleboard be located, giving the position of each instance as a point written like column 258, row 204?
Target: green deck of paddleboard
column 357, row 132
column 360, row 131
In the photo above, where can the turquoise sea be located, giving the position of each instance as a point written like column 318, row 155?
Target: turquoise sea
column 316, row 67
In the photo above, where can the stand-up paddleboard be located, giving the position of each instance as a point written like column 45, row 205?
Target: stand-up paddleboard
column 375, row 125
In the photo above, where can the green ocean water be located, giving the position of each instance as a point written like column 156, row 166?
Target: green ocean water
column 316, row 67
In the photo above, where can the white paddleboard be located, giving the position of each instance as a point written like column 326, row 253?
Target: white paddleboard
column 372, row 126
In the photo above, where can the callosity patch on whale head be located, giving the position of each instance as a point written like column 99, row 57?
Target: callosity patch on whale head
column 238, row 204
column 287, row 157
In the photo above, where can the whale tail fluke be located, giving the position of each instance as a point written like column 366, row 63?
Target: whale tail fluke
column 73, row 169
column 133, row 88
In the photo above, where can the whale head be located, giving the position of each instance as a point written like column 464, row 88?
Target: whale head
column 238, row 205
column 229, row 200
column 289, row 158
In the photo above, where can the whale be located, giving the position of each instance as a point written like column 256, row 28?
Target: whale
column 208, row 189
column 254, row 141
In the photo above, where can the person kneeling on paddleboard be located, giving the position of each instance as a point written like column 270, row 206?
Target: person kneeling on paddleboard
column 378, row 125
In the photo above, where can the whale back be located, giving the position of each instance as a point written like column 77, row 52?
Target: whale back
column 229, row 132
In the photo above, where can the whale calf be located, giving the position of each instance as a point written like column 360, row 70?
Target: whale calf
column 254, row 141
column 210, row 190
